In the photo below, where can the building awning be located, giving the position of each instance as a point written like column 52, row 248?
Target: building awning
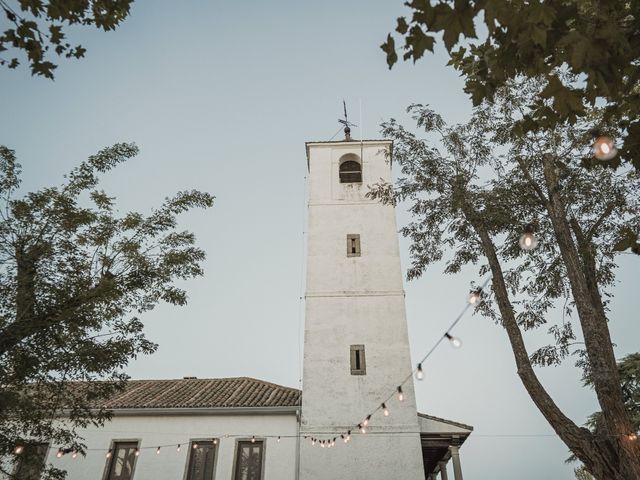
column 437, row 435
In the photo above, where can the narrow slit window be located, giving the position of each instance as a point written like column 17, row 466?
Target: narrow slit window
column 358, row 363
column 353, row 245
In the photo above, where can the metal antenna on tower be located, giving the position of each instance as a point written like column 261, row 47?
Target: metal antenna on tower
column 347, row 124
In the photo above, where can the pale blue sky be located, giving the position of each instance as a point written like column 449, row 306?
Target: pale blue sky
column 221, row 96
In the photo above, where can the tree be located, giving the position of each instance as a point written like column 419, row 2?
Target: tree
column 37, row 28
column 476, row 194
column 599, row 41
column 629, row 370
column 74, row 278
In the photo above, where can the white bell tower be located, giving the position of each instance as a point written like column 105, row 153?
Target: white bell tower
column 356, row 348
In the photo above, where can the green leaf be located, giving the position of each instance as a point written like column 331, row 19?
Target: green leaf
column 389, row 47
column 402, row 26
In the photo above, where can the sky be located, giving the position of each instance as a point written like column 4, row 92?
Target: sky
column 221, row 96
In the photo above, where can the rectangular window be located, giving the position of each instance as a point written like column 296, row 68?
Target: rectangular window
column 122, row 461
column 202, row 459
column 31, row 462
column 353, row 245
column 358, row 363
column 249, row 460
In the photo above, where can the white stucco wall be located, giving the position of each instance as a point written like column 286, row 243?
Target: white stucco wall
column 352, row 301
column 152, row 431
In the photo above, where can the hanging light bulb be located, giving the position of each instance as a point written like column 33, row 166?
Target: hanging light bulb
column 18, row 450
column 137, row 452
column 74, row 454
column 455, row 341
column 400, row 394
column 178, row 449
column 60, row 453
column 195, row 445
column 253, row 439
column 348, row 439
column 419, row 372
column 604, row 148
column 322, row 443
column 215, row 441
column 313, row 442
column 333, row 442
column 385, row 410
column 366, row 420
column 362, row 428
column 158, row 451
column 475, row 297
column 528, row 240
column 278, row 439
column 633, row 437
column 108, row 455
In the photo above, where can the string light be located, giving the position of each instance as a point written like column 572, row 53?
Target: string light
column 74, row 454
column 366, row 420
column 19, row 449
column 178, row 449
column 60, row 453
column 362, row 428
column 253, row 439
column 195, row 445
column 455, row 341
column 419, row 372
column 137, row 452
column 108, row 455
column 528, row 240
column 278, row 439
column 348, row 439
column 158, row 451
column 322, row 443
column 604, row 148
column 215, row 441
column 475, row 297
column 313, row 442
column 633, row 437
column 385, row 410
column 400, row 393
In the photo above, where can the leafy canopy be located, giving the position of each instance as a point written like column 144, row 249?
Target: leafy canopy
column 37, row 28
column 75, row 277
column 471, row 190
column 492, row 42
column 455, row 176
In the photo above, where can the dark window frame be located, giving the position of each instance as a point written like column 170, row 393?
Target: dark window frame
column 353, row 240
column 358, row 360
column 29, row 449
column 241, row 441
column 350, row 171
column 203, row 441
column 110, row 462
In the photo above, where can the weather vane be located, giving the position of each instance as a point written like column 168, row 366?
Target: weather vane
column 346, row 123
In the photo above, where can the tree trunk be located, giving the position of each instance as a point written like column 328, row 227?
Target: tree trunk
column 602, row 462
column 602, row 362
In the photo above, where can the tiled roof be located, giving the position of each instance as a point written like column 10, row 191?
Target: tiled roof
column 203, row 393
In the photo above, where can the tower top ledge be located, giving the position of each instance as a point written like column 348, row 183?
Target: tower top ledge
column 342, row 143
